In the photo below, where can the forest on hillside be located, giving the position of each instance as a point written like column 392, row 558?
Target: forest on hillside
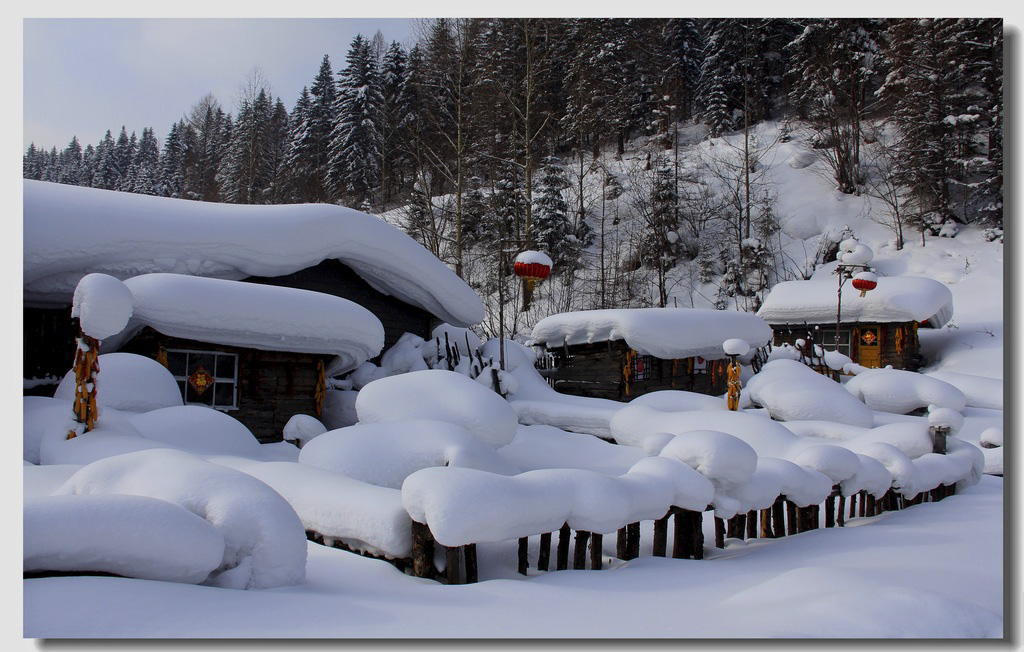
column 512, row 132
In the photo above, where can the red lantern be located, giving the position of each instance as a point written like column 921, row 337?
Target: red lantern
column 865, row 281
column 533, row 266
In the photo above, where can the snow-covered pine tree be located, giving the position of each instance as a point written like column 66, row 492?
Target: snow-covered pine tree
column 553, row 231
column 171, row 182
column 145, row 165
column 355, row 142
column 124, row 152
column 313, row 121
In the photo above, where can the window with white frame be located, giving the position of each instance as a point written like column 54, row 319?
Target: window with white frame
column 205, row 377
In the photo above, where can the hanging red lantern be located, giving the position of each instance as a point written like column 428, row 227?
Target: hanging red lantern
column 533, row 266
column 865, row 281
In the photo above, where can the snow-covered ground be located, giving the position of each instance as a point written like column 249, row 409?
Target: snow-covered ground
column 934, row 570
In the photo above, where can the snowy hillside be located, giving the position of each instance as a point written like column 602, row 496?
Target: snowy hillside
column 427, row 441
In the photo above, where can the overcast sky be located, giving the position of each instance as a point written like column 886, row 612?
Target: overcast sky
column 84, row 76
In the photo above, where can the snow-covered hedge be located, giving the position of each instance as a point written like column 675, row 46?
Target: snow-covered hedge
column 132, row 536
column 385, row 454
column 264, row 541
column 894, row 390
column 129, row 382
column 791, row 391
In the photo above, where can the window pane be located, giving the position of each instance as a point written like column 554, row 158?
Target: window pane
column 225, row 366
column 206, row 398
column 176, row 362
column 205, row 360
column 224, row 394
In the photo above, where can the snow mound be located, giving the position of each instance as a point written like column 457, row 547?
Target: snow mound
column 945, row 418
column 39, row 415
column 677, row 400
column 665, row 333
column 129, row 382
column 257, row 316
column 44, row 479
column 363, row 516
column 264, row 541
column 896, row 299
column 546, row 447
column 102, row 304
column 725, row 460
column 126, row 234
column 131, row 536
column 385, row 454
column 439, row 395
column 871, row 477
column 992, row 437
column 112, row 435
column 799, row 484
column 792, row 391
column 633, row 424
column 302, row 428
column 980, row 391
column 899, row 392
column 197, row 429
column 837, row 463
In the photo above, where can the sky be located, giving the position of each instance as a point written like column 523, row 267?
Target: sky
column 83, row 76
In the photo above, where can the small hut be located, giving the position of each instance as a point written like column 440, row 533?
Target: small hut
column 621, row 354
column 877, row 329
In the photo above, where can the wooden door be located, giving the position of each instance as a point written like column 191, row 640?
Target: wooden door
column 869, row 347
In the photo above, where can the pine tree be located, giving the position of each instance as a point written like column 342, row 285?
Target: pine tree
column 171, row 180
column 355, row 143
column 313, row 121
column 552, row 227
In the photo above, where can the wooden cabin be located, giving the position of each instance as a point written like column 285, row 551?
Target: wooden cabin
column 71, row 231
column 875, row 330
column 622, row 354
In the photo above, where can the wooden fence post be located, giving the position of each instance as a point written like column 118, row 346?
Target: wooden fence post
column 524, row 561
column 660, row 543
column 697, row 534
column 544, row 556
column 681, row 536
column 632, row 540
column 472, row 575
column 719, row 533
column 620, row 543
column 752, row 524
column 422, row 551
column 840, row 512
column 596, row 543
column 778, row 518
column 791, row 520
column 766, row 523
column 453, row 564
column 562, row 560
column 579, row 560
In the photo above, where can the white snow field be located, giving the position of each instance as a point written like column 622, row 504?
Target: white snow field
column 153, row 491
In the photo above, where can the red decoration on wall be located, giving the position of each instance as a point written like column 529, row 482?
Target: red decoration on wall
column 200, row 380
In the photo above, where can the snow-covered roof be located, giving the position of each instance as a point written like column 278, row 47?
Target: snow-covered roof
column 253, row 315
column 70, row 231
column 662, row 332
column 895, row 299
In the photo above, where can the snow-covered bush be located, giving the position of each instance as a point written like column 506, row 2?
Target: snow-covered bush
column 132, row 536
column 129, row 382
column 197, row 429
column 264, row 541
column 792, row 391
column 898, row 391
column 439, row 395
column 385, row 454
column 302, row 428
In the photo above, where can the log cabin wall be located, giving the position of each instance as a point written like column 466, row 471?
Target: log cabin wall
column 334, row 278
column 272, row 386
column 599, row 370
column 899, row 345
column 48, row 345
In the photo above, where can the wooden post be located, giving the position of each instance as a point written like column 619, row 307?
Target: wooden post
column 453, row 564
column 422, row 551
column 471, row 567
column 840, row 512
column 791, row 524
column 596, row 543
column 778, row 518
column 681, row 535
column 620, row 543
column 752, row 524
column 862, row 506
column 544, row 556
column 719, row 533
column 579, row 560
column 632, row 540
column 524, row 561
column 830, row 511
column 562, row 561
column 939, row 434
column 660, row 542
column 766, row 523
column 697, row 534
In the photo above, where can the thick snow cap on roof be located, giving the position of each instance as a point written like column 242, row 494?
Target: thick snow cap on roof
column 71, row 231
column 662, row 332
column 253, row 315
column 895, row 299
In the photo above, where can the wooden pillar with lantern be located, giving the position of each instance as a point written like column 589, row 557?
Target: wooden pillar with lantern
column 86, row 369
column 533, row 267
